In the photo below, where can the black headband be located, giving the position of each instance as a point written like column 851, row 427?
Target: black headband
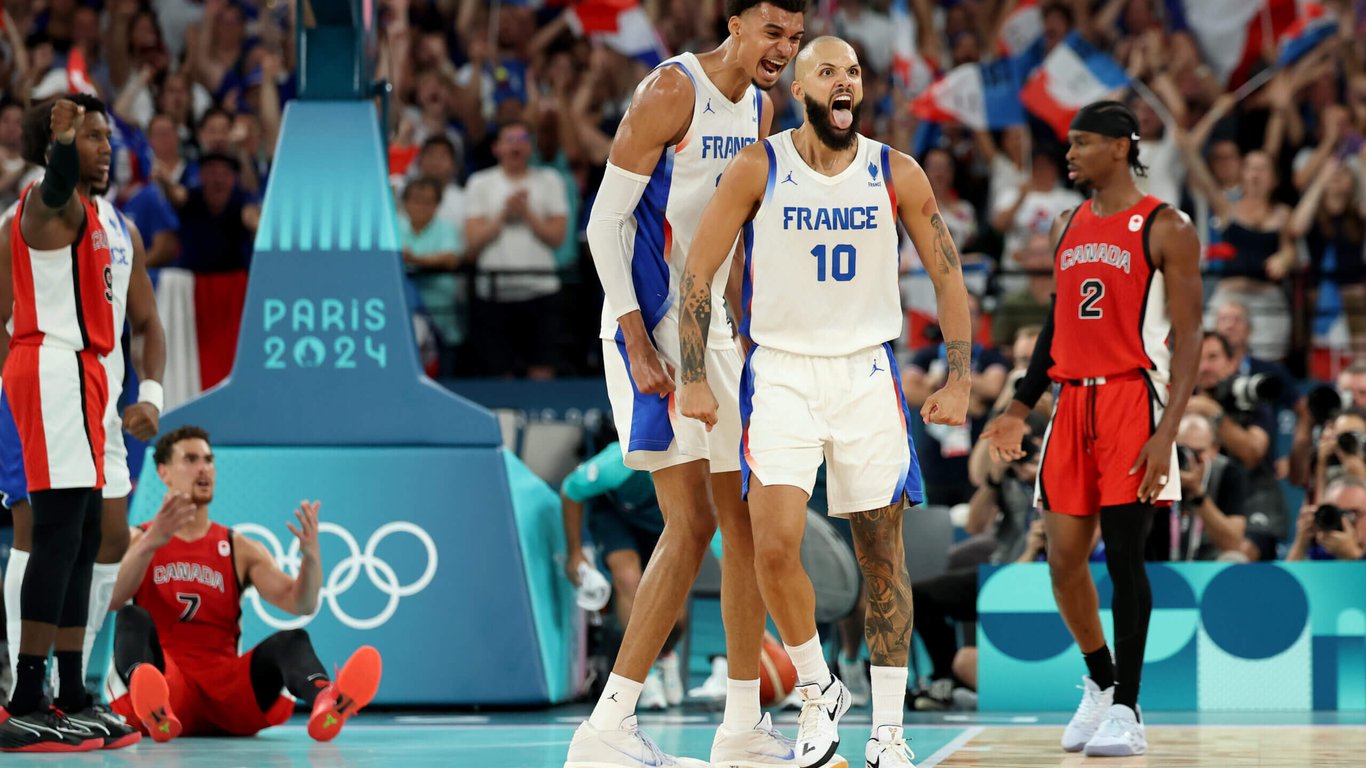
column 1112, row 123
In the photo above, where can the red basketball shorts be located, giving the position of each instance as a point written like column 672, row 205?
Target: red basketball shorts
column 58, row 398
column 212, row 696
column 1095, row 435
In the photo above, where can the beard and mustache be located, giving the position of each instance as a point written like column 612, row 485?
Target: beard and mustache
column 818, row 115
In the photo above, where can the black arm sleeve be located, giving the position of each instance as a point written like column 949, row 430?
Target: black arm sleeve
column 63, row 169
column 1035, row 381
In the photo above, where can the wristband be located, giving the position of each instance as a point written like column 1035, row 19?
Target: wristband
column 150, row 392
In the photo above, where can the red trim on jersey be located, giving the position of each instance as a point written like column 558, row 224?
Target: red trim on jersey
column 22, row 365
column 25, row 313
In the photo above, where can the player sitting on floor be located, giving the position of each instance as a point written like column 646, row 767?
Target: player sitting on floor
column 175, row 648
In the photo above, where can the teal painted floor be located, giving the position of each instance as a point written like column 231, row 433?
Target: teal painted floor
column 539, row 739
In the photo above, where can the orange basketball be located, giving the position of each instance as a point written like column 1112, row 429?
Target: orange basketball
column 777, row 675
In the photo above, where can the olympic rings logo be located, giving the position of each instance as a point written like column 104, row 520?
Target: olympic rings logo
column 344, row 574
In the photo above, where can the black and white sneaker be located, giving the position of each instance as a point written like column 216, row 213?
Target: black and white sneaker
column 45, row 730
column 107, row 726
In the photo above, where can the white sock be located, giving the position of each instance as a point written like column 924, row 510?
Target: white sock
column 742, row 705
column 809, row 659
column 14, row 587
column 889, row 696
column 618, row 702
column 102, row 580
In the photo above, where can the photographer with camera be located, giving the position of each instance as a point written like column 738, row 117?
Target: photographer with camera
column 1240, row 408
column 1341, row 450
column 1336, row 528
column 1316, row 428
column 1209, row 522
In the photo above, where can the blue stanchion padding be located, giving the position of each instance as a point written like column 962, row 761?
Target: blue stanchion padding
column 326, row 354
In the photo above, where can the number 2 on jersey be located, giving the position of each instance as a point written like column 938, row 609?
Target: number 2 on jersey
column 1091, row 292
column 843, row 262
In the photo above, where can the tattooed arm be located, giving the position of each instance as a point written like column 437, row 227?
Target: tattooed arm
column 920, row 214
column 737, row 198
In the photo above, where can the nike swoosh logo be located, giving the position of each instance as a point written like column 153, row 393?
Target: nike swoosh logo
column 876, row 763
column 649, row 762
column 791, row 755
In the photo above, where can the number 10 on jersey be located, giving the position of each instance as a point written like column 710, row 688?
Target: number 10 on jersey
column 843, row 262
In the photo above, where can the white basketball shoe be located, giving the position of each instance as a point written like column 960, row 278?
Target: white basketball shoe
column 670, row 668
column 625, row 747
column 1119, row 735
column 762, row 746
column 818, row 726
column 855, row 677
column 1090, row 712
column 888, row 749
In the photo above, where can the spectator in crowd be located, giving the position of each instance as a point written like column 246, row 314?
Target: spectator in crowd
column 13, row 168
column 438, row 160
column 218, row 218
column 943, row 450
column 1243, row 431
column 1334, row 529
column 515, row 221
column 432, row 253
column 1030, row 305
column 1331, row 219
column 1030, row 209
column 1340, row 450
column 1210, row 521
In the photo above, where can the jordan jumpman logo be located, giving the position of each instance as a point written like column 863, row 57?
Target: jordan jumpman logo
column 708, row 109
column 875, row 368
column 789, row 180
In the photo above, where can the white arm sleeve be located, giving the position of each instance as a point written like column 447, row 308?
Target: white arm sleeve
column 617, row 199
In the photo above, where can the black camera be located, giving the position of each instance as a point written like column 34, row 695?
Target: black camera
column 1351, row 442
column 1328, row 517
column 1324, row 403
column 1245, row 393
column 1185, row 458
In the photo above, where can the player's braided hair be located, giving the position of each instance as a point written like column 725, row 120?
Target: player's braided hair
column 737, row 7
column 167, row 443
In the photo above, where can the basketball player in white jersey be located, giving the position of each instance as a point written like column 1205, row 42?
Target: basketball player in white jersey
column 688, row 118
column 133, row 298
column 819, row 206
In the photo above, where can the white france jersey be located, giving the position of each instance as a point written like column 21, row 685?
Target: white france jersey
column 821, row 258
column 682, row 184
column 121, row 264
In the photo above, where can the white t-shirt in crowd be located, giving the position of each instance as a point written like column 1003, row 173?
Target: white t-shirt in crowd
column 1166, row 171
column 516, row 247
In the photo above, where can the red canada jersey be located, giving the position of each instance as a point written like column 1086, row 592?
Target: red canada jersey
column 64, row 297
column 1111, row 312
column 191, row 590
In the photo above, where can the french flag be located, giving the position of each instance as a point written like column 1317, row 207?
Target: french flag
column 1314, row 26
column 911, row 72
column 623, row 25
column 1232, row 34
column 1074, row 74
column 1022, row 30
column 980, row 96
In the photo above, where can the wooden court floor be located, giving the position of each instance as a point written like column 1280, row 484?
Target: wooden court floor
column 1170, row 746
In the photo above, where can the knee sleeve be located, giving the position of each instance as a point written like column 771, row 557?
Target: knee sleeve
column 286, row 659
column 76, row 606
column 135, row 641
column 58, row 523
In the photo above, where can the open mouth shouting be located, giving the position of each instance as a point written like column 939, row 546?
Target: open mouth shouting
column 771, row 67
column 841, row 110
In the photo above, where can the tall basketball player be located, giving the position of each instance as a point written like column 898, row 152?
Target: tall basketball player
column 819, row 206
column 57, row 286
column 134, row 298
column 688, row 118
column 1126, row 274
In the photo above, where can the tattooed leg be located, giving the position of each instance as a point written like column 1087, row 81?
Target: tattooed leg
column 882, row 556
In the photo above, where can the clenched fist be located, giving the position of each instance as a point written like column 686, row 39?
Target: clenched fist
column 66, row 118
